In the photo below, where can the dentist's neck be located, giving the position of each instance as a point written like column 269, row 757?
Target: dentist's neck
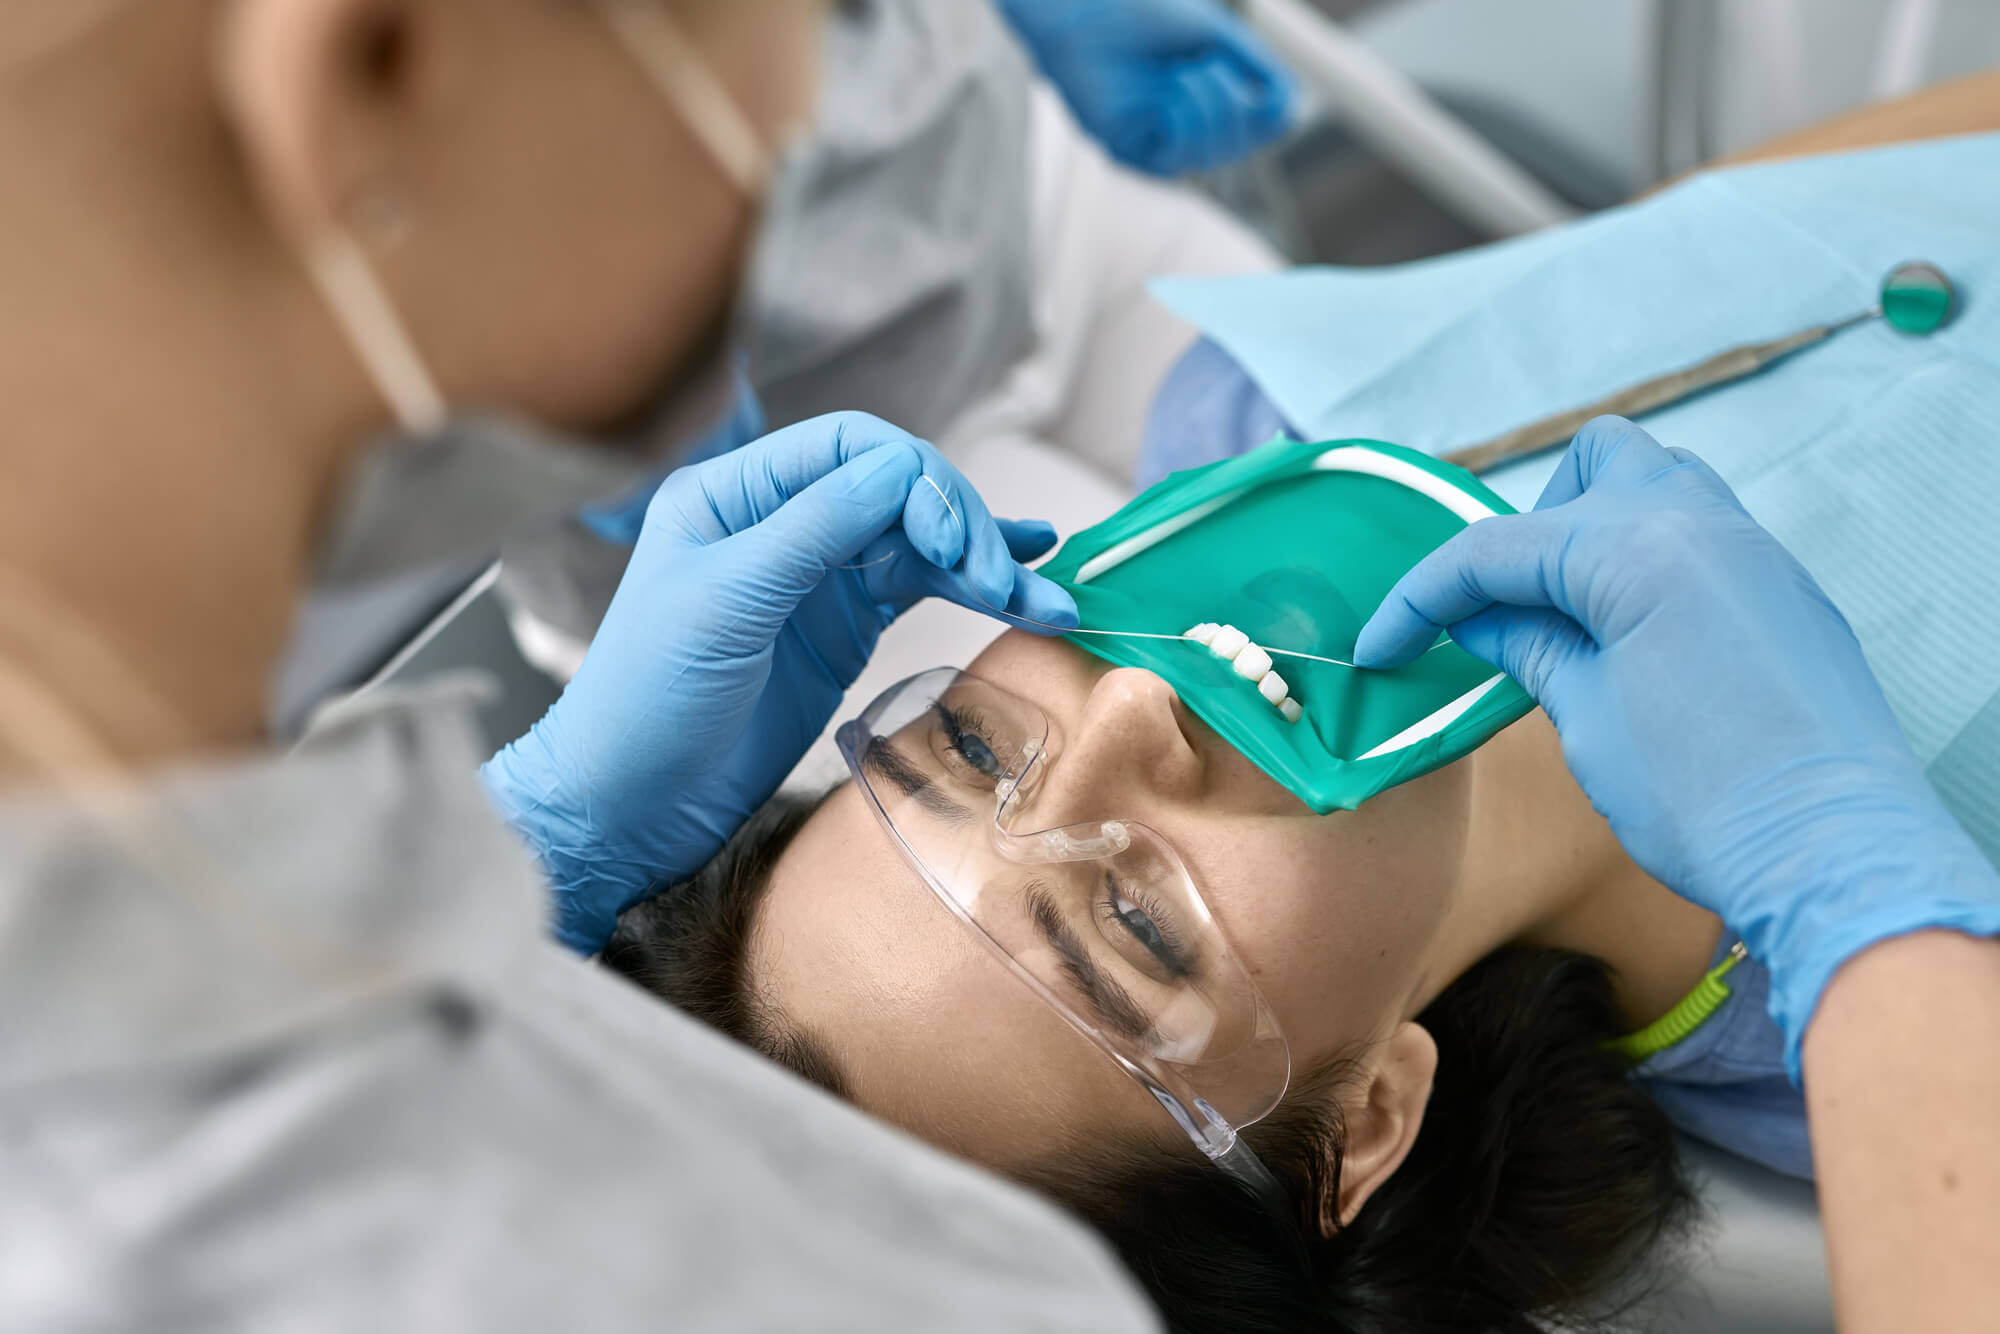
column 177, row 405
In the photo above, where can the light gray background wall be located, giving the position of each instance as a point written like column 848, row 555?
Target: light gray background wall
column 1584, row 70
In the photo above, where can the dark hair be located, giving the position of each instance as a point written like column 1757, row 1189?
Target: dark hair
column 1543, row 1184
column 690, row 945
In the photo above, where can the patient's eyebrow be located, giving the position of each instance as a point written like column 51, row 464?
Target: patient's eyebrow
column 1114, row 1004
column 884, row 761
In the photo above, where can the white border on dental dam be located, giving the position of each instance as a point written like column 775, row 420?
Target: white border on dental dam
column 1345, row 458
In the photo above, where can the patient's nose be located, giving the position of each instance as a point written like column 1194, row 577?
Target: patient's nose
column 1130, row 742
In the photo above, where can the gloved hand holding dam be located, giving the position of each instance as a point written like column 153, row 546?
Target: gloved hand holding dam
column 1712, row 703
column 759, row 587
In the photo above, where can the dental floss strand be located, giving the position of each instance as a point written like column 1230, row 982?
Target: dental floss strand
column 1251, row 661
column 1190, row 638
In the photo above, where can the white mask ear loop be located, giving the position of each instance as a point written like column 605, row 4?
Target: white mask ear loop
column 361, row 307
column 673, row 65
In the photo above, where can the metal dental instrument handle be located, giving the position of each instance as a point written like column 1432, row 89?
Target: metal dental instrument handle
column 1917, row 298
column 1647, row 396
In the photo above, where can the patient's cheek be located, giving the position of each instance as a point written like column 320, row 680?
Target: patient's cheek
column 1432, row 814
column 1342, row 929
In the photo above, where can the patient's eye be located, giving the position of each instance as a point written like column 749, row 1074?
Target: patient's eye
column 966, row 738
column 1146, row 924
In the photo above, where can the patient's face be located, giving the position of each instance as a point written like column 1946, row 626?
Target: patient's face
column 1332, row 915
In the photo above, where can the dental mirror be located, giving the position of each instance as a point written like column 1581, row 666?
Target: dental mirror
column 1916, row 298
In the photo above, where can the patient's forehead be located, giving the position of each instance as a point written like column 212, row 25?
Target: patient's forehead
column 931, row 1031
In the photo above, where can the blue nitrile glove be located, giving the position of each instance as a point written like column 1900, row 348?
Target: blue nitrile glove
column 1167, row 86
column 1713, row 704
column 730, row 643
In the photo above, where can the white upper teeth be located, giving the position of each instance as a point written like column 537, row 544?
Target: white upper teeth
column 1250, row 662
column 1228, row 641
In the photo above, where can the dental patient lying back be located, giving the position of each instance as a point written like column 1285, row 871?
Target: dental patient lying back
column 1448, row 961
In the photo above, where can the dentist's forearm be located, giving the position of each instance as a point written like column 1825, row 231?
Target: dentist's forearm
column 1902, row 1069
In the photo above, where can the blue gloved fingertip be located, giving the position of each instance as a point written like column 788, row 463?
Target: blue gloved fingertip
column 1385, row 644
column 1046, row 602
column 935, row 525
column 1371, row 648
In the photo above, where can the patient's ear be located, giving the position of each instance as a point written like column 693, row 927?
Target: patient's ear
column 1384, row 1109
column 322, row 97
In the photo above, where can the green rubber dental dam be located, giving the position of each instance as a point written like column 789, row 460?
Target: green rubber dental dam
column 1292, row 547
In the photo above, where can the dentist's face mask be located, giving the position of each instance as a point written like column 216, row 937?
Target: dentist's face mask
column 451, row 484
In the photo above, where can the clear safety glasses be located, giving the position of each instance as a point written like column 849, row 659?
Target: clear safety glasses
column 1100, row 918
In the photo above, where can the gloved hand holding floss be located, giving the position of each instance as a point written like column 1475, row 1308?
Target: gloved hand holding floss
column 755, row 596
column 1713, row 704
